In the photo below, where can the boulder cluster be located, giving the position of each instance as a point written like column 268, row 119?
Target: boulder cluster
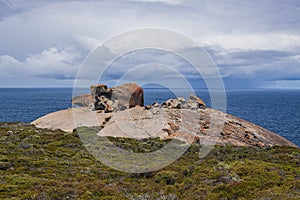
column 192, row 103
column 103, row 98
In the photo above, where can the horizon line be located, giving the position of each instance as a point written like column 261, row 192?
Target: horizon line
column 260, row 88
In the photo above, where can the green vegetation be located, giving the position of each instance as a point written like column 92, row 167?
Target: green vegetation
column 43, row 164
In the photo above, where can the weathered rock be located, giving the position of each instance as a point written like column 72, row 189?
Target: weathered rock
column 135, row 123
column 174, row 103
column 155, row 105
column 84, row 100
column 101, row 90
column 148, row 107
column 197, row 99
column 190, row 125
column 174, row 127
column 117, row 98
column 105, row 104
column 101, row 95
column 191, row 104
column 128, row 95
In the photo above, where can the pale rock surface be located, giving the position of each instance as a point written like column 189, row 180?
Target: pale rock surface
column 189, row 121
column 185, row 124
column 84, row 100
column 68, row 120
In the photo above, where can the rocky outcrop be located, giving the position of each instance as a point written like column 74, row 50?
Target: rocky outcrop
column 197, row 100
column 186, row 120
column 174, row 103
column 128, row 95
column 193, row 103
column 184, row 124
column 103, row 98
column 85, row 100
column 100, row 90
column 190, row 126
column 101, row 95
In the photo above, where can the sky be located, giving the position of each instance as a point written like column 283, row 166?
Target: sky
column 255, row 44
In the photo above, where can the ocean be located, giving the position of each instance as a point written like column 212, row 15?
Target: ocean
column 275, row 110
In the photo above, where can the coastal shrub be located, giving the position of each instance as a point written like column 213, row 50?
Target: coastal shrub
column 57, row 165
column 168, row 177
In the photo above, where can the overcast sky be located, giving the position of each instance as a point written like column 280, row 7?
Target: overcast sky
column 255, row 44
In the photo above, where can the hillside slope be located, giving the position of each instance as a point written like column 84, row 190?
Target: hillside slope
column 44, row 164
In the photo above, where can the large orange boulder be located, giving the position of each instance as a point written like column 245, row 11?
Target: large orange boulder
column 128, row 95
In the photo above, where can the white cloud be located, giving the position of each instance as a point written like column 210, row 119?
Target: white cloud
column 10, row 67
column 256, row 65
column 232, row 24
column 267, row 41
column 51, row 37
column 85, row 42
column 51, row 63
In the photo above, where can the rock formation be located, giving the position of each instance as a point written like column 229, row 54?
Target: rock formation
column 193, row 103
column 184, row 124
column 174, row 103
column 85, row 100
column 189, row 120
column 128, row 95
column 196, row 99
column 107, row 99
column 102, row 95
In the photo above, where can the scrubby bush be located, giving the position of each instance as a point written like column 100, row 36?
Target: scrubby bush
column 44, row 164
column 168, row 177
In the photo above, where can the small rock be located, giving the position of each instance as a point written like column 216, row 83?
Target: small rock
column 155, row 105
column 191, row 104
column 197, row 99
column 148, row 107
column 174, row 103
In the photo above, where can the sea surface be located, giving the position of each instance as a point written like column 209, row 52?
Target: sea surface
column 275, row 110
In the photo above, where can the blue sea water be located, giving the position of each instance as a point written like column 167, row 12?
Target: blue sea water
column 275, row 110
